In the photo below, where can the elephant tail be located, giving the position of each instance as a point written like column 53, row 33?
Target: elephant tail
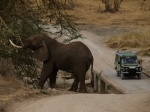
column 92, row 74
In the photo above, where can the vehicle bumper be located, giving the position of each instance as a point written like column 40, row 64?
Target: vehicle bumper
column 130, row 73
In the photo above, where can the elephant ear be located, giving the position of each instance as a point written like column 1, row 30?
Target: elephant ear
column 42, row 52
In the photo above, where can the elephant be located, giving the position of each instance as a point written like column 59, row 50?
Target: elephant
column 74, row 57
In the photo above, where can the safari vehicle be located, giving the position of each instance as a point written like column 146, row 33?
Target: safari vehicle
column 127, row 64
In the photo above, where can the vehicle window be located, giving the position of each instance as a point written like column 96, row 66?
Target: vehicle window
column 129, row 60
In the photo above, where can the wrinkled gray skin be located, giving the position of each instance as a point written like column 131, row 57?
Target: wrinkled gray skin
column 74, row 57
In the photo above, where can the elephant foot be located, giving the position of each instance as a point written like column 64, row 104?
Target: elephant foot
column 53, row 86
column 74, row 87
column 72, row 90
column 82, row 91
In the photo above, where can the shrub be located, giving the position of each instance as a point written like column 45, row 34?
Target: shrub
column 112, row 5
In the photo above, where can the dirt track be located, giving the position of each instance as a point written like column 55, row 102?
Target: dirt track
column 95, row 102
column 86, row 103
column 104, row 60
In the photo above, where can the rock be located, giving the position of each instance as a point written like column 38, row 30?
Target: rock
column 49, row 90
column 27, row 80
column 60, row 81
column 46, row 85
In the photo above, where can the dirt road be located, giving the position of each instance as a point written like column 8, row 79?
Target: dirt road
column 104, row 60
column 104, row 57
column 86, row 103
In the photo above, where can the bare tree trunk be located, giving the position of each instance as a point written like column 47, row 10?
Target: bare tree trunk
column 117, row 4
column 112, row 5
column 108, row 5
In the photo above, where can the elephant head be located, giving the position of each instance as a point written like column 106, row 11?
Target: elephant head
column 37, row 44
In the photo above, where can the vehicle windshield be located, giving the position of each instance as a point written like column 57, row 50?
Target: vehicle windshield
column 129, row 60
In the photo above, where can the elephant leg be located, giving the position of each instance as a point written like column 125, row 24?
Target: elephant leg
column 82, row 88
column 74, row 86
column 46, row 71
column 53, row 79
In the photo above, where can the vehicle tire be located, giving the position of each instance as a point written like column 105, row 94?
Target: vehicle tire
column 122, row 76
column 139, row 76
column 118, row 74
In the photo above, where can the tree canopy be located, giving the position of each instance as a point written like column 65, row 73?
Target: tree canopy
column 22, row 18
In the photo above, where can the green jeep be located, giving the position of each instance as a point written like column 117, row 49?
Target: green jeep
column 127, row 64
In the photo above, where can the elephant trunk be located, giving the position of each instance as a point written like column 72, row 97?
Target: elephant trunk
column 15, row 44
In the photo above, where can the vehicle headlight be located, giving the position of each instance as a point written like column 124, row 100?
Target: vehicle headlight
column 125, row 68
column 139, row 68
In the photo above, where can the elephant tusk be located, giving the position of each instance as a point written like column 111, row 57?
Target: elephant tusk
column 14, row 44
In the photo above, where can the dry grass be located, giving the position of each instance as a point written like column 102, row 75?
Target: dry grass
column 91, row 12
column 130, row 40
column 12, row 90
column 133, row 14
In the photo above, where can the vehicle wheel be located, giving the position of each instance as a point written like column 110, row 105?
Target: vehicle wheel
column 139, row 76
column 122, row 76
column 118, row 74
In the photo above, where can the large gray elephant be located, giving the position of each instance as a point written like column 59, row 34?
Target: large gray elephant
column 74, row 57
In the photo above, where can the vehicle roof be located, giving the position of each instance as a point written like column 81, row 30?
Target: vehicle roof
column 126, row 54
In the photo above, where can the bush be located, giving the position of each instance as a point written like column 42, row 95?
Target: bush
column 112, row 5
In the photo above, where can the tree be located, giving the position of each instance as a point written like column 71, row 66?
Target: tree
column 112, row 5
column 21, row 18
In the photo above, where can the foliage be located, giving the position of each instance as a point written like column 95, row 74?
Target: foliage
column 112, row 5
column 21, row 18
